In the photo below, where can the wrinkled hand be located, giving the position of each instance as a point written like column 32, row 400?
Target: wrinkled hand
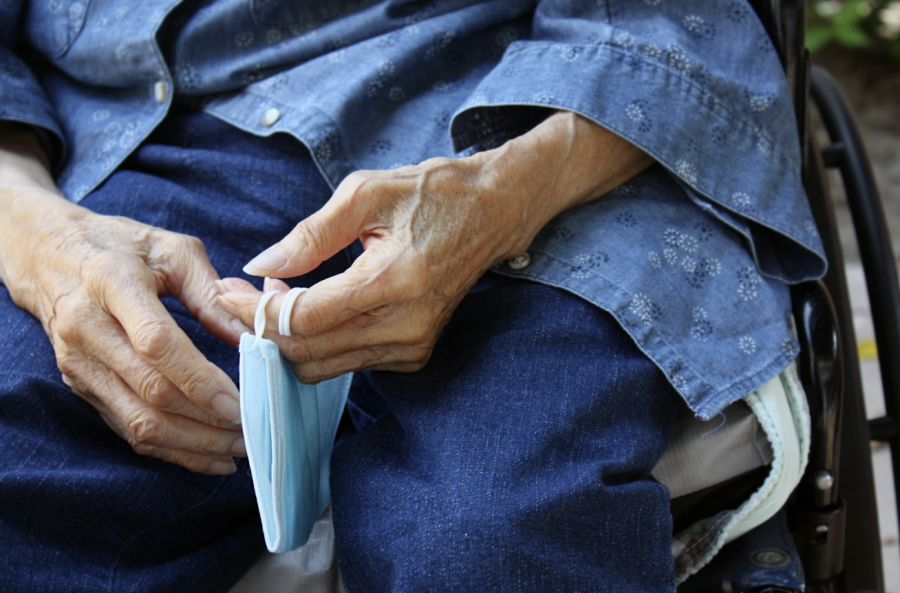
column 95, row 282
column 429, row 232
column 422, row 254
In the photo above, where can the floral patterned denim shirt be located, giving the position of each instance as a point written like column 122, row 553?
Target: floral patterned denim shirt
column 693, row 257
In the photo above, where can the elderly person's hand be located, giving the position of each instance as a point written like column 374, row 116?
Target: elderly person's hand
column 95, row 282
column 429, row 232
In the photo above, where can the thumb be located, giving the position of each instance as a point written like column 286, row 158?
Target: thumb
column 313, row 240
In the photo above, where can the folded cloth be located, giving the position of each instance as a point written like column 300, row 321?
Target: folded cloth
column 289, row 428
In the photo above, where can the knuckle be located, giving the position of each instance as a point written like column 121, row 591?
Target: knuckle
column 310, row 372
column 67, row 364
column 66, row 329
column 153, row 341
column 193, row 386
column 144, row 429
column 310, row 322
column 419, row 334
column 370, row 356
column 361, row 186
column 211, row 444
column 357, row 179
column 190, row 247
column 300, row 350
column 415, row 367
column 193, row 244
column 421, row 356
column 156, row 391
column 311, row 234
column 68, row 323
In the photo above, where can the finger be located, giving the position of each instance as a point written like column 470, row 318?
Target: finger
column 320, row 236
column 159, row 341
column 149, row 384
column 192, row 445
column 387, row 328
column 366, row 330
column 240, row 285
column 195, row 462
column 326, row 305
column 148, row 427
column 235, row 285
column 244, row 306
column 405, row 359
column 144, row 426
column 183, row 269
column 275, row 284
column 374, row 281
column 82, row 329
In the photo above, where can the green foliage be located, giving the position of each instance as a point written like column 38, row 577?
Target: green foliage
column 873, row 24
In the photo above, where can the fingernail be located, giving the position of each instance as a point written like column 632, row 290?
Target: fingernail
column 268, row 261
column 236, row 285
column 222, row 467
column 220, row 287
column 226, row 407
column 239, row 448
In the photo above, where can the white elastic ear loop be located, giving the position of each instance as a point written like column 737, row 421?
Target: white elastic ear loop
column 259, row 322
column 287, row 307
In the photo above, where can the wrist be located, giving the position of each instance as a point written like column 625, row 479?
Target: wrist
column 32, row 219
column 23, row 160
column 582, row 160
column 565, row 161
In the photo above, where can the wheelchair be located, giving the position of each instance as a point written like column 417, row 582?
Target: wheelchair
column 826, row 539
column 832, row 514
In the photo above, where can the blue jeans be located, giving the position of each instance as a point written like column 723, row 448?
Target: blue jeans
column 518, row 460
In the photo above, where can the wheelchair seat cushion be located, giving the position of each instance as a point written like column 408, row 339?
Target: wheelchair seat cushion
column 704, row 454
column 780, row 408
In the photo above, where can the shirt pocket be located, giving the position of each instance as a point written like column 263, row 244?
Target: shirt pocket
column 52, row 26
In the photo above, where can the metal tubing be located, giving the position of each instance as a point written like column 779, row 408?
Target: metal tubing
column 855, row 483
column 875, row 247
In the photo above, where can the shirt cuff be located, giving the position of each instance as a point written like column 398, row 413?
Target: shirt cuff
column 742, row 166
column 23, row 100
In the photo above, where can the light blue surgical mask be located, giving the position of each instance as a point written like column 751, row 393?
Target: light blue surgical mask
column 289, row 428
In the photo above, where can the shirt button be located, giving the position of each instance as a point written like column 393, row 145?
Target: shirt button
column 160, row 91
column 520, row 262
column 270, row 117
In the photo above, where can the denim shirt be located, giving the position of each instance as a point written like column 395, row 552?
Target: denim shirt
column 693, row 257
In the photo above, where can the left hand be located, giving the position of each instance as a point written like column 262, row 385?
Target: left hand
column 429, row 231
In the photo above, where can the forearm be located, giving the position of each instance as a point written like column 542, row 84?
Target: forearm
column 593, row 160
column 429, row 231
column 27, row 192
column 565, row 161
column 23, row 162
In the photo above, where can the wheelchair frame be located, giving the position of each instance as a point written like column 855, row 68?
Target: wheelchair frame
column 833, row 513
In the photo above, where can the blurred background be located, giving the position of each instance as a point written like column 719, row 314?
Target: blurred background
column 859, row 42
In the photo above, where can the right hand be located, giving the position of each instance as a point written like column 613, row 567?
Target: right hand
column 95, row 283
